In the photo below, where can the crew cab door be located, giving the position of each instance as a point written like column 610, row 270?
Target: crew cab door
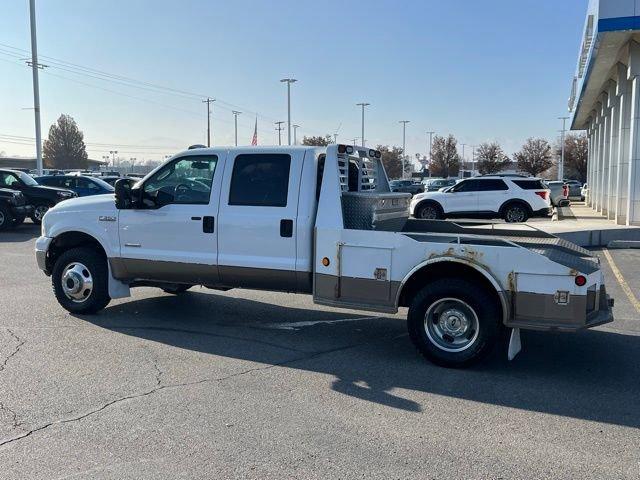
column 257, row 222
column 173, row 238
column 463, row 197
column 493, row 193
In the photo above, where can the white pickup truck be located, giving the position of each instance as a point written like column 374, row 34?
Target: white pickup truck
column 319, row 221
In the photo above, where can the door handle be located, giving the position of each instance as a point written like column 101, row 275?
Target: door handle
column 208, row 224
column 286, row 228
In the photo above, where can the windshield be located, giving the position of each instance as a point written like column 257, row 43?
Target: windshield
column 26, row 179
column 103, row 184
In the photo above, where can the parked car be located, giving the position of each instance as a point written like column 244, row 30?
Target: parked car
column 559, row 193
column 13, row 208
column 406, row 186
column 39, row 196
column 575, row 189
column 82, row 185
column 435, row 184
column 299, row 219
column 513, row 199
column 110, row 179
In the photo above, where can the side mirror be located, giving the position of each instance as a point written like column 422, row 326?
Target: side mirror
column 123, row 194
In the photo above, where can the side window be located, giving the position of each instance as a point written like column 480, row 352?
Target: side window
column 467, row 186
column 492, row 185
column 86, row 183
column 186, row 180
column 7, row 180
column 260, row 180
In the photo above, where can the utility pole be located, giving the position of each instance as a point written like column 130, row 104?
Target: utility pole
column 36, row 84
column 209, row 101
column 113, row 156
column 404, row 138
column 132, row 160
column 473, row 159
column 363, row 104
column 295, row 134
column 235, row 122
column 561, row 166
column 279, row 129
column 288, row 81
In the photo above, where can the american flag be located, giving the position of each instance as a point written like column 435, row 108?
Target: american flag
column 254, row 140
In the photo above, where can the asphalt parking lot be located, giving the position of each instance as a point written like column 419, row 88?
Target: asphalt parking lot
column 248, row 384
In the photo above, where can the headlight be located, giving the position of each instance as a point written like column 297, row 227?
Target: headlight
column 15, row 200
column 65, row 194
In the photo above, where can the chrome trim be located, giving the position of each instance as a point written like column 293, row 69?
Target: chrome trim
column 133, row 245
column 106, row 218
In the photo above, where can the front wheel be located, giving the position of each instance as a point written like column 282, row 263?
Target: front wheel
column 429, row 211
column 515, row 213
column 454, row 323
column 38, row 213
column 6, row 220
column 80, row 280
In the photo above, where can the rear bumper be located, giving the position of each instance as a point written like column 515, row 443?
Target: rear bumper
column 536, row 311
column 22, row 210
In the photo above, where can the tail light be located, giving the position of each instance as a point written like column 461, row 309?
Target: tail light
column 542, row 194
column 565, row 190
column 581, row 280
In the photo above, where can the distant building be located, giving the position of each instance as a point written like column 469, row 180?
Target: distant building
column 605, row 101
column 30, row 163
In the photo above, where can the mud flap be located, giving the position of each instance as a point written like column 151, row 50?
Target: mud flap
column 514, row 344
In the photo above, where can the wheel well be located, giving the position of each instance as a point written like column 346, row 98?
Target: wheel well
column 68, row 240
column 516, row 201
column 438, row 270
column 431, row 202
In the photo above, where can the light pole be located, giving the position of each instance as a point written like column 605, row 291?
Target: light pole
column 561, row 167
column 36, row 84
column 279, row 129
column 132, row 160
column 363, row 104
column 335, row 138
column 288, row 81
column 430, row 149
column 113, row 156
column 295, row 134
column 404, row 138
column 235, row 122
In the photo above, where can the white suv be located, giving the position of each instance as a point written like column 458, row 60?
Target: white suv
column 514, row 199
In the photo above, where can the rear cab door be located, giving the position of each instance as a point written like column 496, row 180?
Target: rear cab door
column 463, row 197
column 257, row 240
column 493, row 193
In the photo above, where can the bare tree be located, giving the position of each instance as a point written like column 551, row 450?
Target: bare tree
column 445, row 161
column 576, row 149
column 65, row 148
column 535, row 156
column 491, row 158
column 317, row 141
column 392, row 160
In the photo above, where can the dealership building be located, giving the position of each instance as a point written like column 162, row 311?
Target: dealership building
column 605, row 101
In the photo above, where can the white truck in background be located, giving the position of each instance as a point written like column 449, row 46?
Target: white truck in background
column 320, row 221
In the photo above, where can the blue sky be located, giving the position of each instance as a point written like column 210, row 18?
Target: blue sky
column 491, row 70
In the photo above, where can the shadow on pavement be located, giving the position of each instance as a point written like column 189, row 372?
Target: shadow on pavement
column 592, row 375
column 22, row 233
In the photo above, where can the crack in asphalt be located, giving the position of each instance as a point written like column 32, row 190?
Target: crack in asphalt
column 17, row 348
column 159, row 387
column 19, row 343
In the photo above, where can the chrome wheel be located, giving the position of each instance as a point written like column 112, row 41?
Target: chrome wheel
column 39, row 211
column 451, row 325
column 429, row 212
column 77, row 282
column 515, row 215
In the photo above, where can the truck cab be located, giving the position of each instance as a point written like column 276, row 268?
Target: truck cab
column 320, row 221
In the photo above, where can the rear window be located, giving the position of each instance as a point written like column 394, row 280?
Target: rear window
column 530, row 184
column 260, row 180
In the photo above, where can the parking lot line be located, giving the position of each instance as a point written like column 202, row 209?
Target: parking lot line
column 623, row 283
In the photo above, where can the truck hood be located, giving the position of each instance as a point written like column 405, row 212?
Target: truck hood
column 104, row 204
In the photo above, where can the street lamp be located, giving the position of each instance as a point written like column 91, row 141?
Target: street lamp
column 288, row 81
column 404, row 138
column 363, row 104
column 430, row 148
column 235, row 121
column 113, row 155
column 561, row 167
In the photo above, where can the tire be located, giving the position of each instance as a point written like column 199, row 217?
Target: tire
column 19, row 220
column 38, row 213
column 6, row 219
column 75, row 267
column 177, row 289
column 471, row 334
column 515, row 213
column 429, row 211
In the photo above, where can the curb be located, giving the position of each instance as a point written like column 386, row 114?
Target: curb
column 618, row 244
